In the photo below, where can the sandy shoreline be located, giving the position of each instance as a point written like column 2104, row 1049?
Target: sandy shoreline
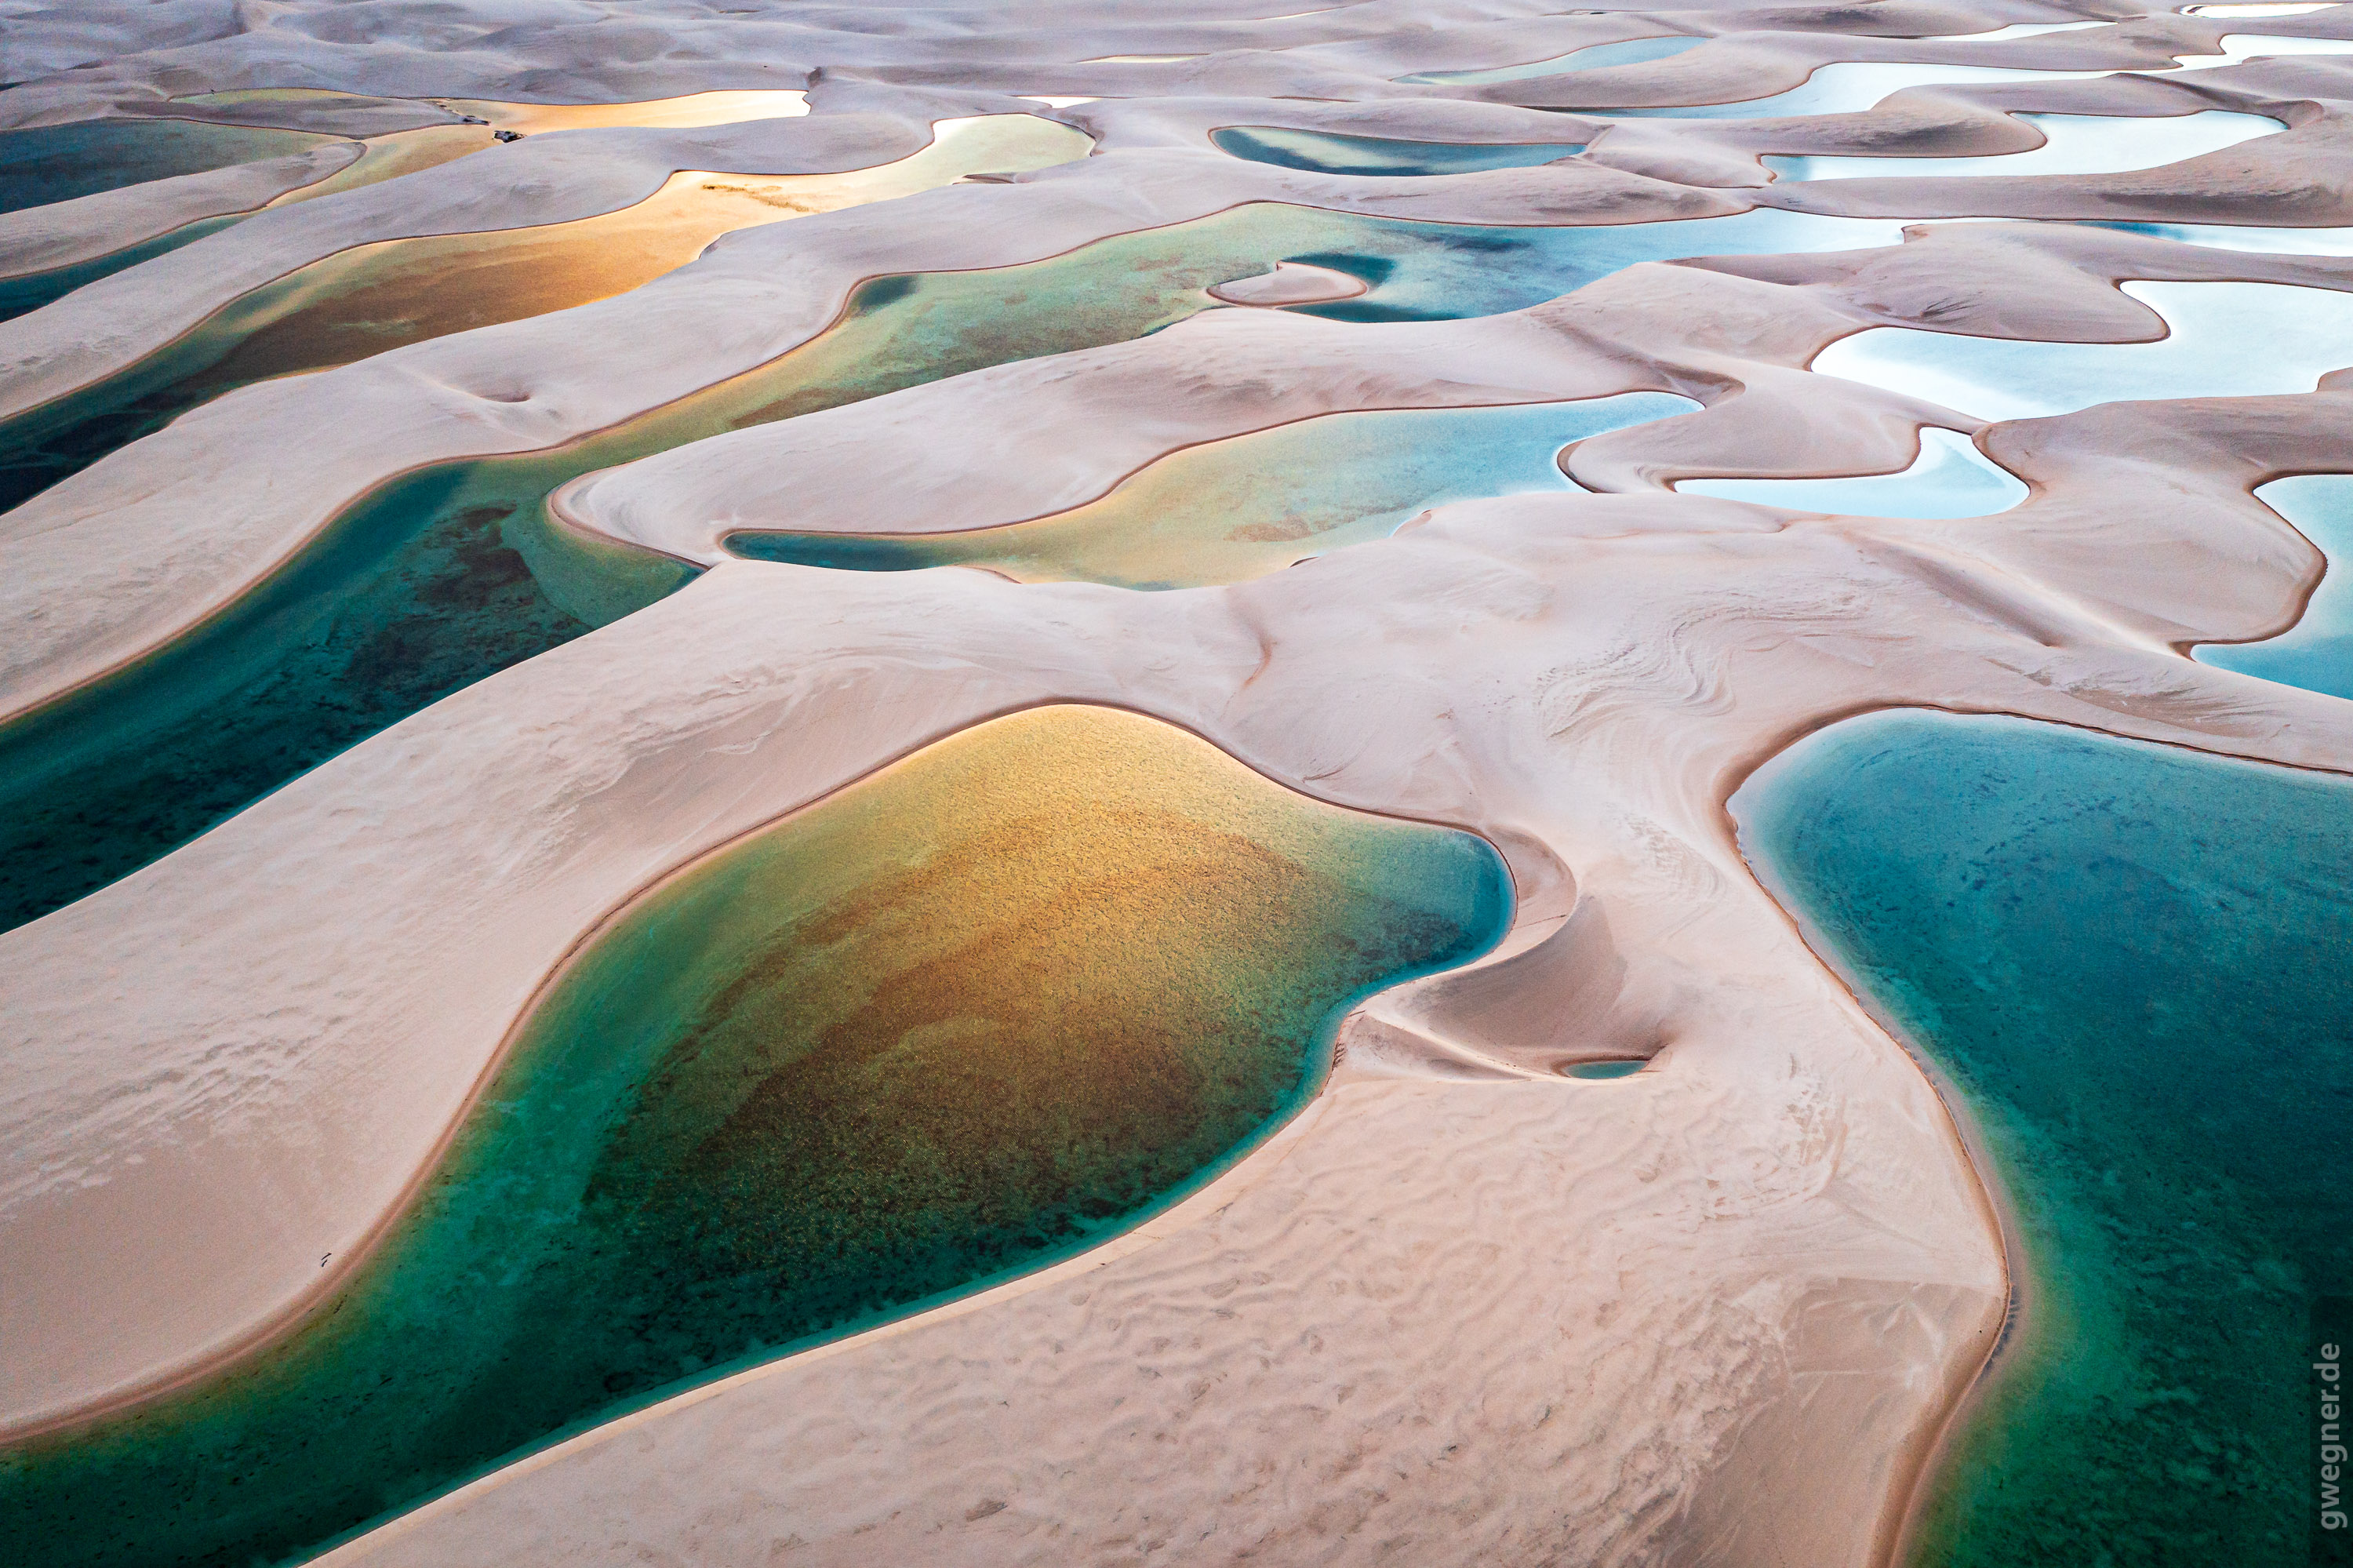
column 1721, row 1310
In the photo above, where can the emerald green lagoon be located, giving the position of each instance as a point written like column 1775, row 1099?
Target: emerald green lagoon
column 2130, row 963
column 977, row 1013
column 445, row 576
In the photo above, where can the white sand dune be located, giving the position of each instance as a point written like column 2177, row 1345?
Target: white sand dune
column 1464, row 1308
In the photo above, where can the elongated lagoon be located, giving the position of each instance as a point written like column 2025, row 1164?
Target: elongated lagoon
column 2130, row 962
column 1252, row 504
column 978, row 1012
column 58, row 163
column 446, row 576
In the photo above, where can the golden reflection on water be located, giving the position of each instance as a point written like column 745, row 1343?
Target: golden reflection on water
column 377, row 297
column 1063, row 960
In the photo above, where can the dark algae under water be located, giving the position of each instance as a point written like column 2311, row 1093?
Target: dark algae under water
column 444, row 576
column 2131, row 961
column 977, row 1012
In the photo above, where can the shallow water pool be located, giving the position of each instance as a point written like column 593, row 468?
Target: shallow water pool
column 444, row 576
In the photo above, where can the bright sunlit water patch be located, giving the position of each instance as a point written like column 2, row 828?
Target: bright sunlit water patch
column 1328, row 152
column 2072, row 144
column 2316, row 652
column 981, row 1010
column 2129, row 959
column 2304, row 333
column 1255, row 503
column 1950, row 478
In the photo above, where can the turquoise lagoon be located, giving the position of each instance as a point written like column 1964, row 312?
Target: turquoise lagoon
column 972, row 1014
column 443, row 576
column 2129, row 962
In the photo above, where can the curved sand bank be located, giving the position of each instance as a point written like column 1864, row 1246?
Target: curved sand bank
column 1464, row 1308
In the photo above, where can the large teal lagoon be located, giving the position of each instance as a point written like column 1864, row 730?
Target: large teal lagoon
column 2129, row 963
column 980, row 1011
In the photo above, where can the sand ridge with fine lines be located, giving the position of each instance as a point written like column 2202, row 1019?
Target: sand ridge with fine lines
column 1466, row 1308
